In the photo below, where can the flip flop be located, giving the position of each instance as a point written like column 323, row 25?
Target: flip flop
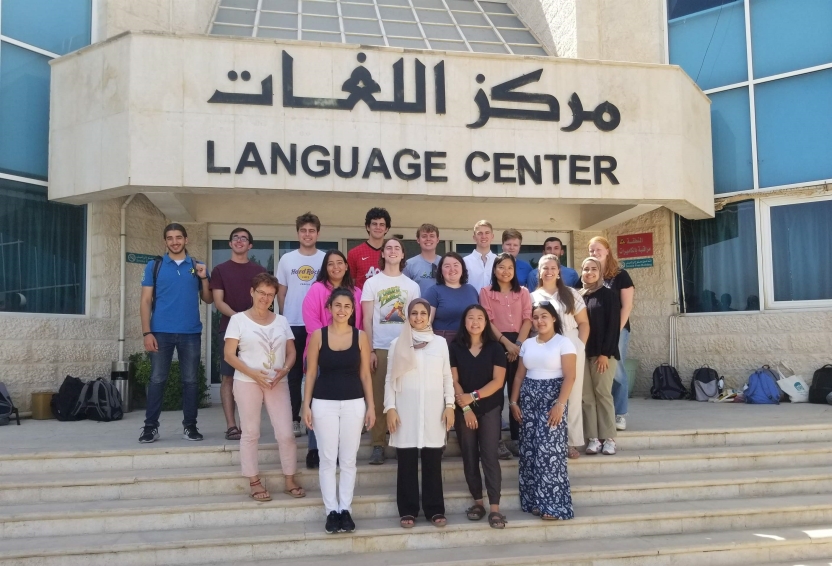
column 233, row 433
column 407, row 521
column 296, row 492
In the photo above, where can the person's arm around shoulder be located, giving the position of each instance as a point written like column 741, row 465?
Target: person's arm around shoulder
column 312, row 353
column 393, row 421
column 367, row 379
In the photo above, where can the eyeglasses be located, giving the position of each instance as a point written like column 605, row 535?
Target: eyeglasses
column 239, row 239
column 262, row 294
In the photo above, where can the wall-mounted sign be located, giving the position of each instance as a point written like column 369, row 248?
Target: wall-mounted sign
column 143, row 259
column 635, row 245
column 637, row 263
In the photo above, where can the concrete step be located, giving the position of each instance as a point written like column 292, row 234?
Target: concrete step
column 224, row 480
column 598, row 524
column 198, row 511
column 173, row 452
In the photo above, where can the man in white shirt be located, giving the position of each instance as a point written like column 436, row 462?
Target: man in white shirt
column 384, row 301
column 481, row 261
column 296, row 271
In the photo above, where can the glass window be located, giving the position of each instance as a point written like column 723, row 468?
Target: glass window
column 801, row 256
column 234, row 16
column 320, row 23
column 277, row 33
column 323, row 8
column 794, row 122
column 365, row 39
column 528, row 50
column 719, row 261
column 731, row 141
column 434, row 16
column 244, row 31
column 786, row 36
column 59, row 27
column 710, row 44
column 358, row 11
column 42, row 252
column 402, row 42
column 281, row 5
column 24, row 112
column 270, row 19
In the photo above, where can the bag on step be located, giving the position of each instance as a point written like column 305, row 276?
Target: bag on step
column 762, row 388
column 66, row 403
column 792, row 385
column 667, row 384
column 706, row 384
column 7, row 408
column 821, row 385
column 102, row 401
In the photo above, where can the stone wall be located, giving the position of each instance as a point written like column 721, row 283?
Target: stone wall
column 190, row 16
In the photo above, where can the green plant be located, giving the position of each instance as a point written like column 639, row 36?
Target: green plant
column 172, row 398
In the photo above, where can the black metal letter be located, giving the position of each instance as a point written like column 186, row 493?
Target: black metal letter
column 523, row 167
column 430, row 166
column 499, row 167
column 322, row 163
column 415, row 168
column 337, row 160
column 605, row 169
column 371, row 167
column 555, row 159
column 574, row 169
column 290, row 163
column 210, row 157
column 469, row 166
column 439, row 85
column 250, row 158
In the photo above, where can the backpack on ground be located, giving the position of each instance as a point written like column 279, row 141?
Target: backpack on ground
column 66, row 403
column 821, row 385
column 762, row 388
column 102, row 401
column 7, row 408
column 667, row 384
column 705, row 384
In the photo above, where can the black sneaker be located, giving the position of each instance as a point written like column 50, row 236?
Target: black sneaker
column 313, row 460
column 377, row 457
column 149, row 434
column 347, row 524
column 333, row 522
column 191, row 433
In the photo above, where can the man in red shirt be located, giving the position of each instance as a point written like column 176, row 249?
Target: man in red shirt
column 363, row 259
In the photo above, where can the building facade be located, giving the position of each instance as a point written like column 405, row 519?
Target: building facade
column 732, row 191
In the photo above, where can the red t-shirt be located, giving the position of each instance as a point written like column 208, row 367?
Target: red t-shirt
column 235, row 280
column 363, row 261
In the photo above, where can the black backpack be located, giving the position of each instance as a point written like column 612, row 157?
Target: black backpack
column 821, row 385
column 101, row 401
column 7, row 408
column 667, row 384
column 704, row 384
column 66, row 403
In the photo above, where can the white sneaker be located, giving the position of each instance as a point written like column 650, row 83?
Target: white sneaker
column 620, row 422
column 296, row 428
column 609, row 447
column 593, row 446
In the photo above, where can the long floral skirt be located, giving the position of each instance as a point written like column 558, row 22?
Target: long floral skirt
column 544, row 481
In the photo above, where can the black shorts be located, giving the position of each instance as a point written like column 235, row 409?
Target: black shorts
column 225, row 368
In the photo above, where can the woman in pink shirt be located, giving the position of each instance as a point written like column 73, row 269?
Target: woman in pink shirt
column 509, row 308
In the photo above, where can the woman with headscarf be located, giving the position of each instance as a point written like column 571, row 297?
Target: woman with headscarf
column 419, row 403
column 604, row 311
column 545, row 376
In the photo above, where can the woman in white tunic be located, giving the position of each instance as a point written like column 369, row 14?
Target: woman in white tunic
column 419, row 403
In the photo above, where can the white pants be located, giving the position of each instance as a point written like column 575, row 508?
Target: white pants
column 575, row 419
column 337, row 426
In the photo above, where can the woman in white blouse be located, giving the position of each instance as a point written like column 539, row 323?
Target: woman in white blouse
column 572, row 313
column 419, row 403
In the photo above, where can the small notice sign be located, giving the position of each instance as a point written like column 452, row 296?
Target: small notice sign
column 143, row 259
column 637, row 263
column 635, row 245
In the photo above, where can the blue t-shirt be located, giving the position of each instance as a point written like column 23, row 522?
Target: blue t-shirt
column 450, row 303
column 422, row 272
column 177, row 297
column 569, row 275
column 523, row 269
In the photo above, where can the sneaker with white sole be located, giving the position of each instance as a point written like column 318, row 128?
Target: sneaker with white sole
column 192, row 433
column 593, row 446
column 609, row 447
column 149, row 434
column 620, row 422
column 296, row 428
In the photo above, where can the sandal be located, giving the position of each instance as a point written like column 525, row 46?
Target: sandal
column 573, row 453
column 475, row 512
column 407, row 521
column 233, row 433
column 497, row 520
column 535, row 511
column 549, row 518
column 260, row 495
column 296, row 492
column 439, row 520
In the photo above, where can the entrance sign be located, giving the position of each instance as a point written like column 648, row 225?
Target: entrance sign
column 203, row 114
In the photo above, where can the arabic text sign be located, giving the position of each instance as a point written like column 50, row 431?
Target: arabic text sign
column 637, row 263
column 635, row 245
column 143, row 259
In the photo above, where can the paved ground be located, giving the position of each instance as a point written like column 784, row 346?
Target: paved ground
column 645, row 415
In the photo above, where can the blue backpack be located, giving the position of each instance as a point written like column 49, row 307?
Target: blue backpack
column 762, row 388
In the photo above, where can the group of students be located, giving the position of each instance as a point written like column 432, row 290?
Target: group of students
column 412, row 348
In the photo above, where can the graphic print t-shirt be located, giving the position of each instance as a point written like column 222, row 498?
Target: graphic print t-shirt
column 260, row 347
column 390, row 297
column 297, row 272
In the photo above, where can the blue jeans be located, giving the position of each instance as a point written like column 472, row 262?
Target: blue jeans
column 621, row 383
column 188, row 348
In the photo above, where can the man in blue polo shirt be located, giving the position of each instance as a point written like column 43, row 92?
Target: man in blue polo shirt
column 554, row 246
column 170, row 320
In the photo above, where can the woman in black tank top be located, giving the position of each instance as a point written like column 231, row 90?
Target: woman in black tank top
column 337, row 403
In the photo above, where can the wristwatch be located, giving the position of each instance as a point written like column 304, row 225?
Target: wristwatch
column 518, row 343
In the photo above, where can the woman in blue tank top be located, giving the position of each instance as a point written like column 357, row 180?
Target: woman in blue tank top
column 338, row 402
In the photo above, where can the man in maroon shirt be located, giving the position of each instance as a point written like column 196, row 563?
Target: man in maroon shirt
column 363, row 259
column 231, row 287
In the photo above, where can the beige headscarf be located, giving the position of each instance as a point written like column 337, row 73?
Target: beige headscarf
column 410, row 340
column 587, row 289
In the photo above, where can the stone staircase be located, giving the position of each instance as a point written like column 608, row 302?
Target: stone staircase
column 733, row 497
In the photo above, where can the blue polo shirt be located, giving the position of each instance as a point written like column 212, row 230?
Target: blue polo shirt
column 177, row 297
column 523, row 269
